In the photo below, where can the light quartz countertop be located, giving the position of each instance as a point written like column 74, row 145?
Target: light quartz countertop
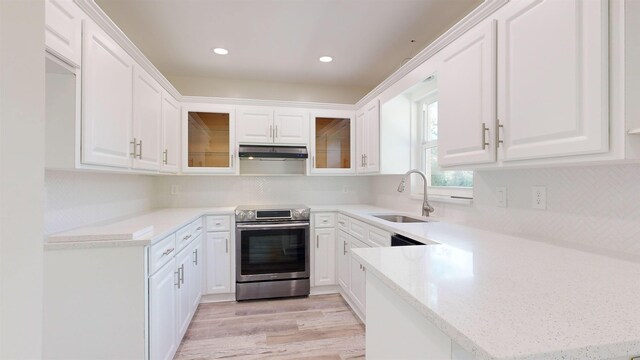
column 497, row 296
column 504, row 297
column 138, row 230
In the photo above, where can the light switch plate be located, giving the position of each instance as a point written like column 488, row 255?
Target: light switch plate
column 501, row 196
column 539, row 197
column 174, row 189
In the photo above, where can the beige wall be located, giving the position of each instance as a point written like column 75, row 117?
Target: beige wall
column 21, row 177
column 249, row 89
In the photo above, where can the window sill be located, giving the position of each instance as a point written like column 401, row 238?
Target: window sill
column 445, row 199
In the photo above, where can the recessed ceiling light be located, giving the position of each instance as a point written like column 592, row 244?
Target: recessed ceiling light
column 221, row 51
column 326, row 59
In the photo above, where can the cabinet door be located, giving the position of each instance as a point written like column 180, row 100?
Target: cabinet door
column 170, row 134
column 361, row 140
column 106, row 100
column 467, row 99
column 63, row 30
column 255, row 126
column 291, row 127
column 372, row 149
column 163, row 286
column 344, row 267
column 183, row 296
column 553, row 78
column 208, row 139
column 196, row 272
column 218, row 263
column 147, row 117
column 325, row 257
column 357, row 285
column 333, row 143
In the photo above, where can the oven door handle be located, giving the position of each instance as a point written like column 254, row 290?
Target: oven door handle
column 272, row 226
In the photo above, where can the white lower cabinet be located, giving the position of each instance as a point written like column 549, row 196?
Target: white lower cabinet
column 324, row 268
column 343, row 255
column 357, row 278
column 174, row 294
column 162, row 312
column 218, row 249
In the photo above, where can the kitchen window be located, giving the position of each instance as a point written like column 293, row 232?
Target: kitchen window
column 443, row 184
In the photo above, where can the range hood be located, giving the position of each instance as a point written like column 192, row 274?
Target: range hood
column 272, row 152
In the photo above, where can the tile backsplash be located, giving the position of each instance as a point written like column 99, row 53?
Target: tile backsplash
column 74, row 198
column 594, row 208
column 197, row 191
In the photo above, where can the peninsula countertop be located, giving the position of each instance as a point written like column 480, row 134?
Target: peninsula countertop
column 504, row 297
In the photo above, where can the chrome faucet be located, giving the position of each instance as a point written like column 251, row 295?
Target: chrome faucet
column 426, row 208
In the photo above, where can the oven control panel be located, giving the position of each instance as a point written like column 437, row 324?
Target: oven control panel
column 245, row 214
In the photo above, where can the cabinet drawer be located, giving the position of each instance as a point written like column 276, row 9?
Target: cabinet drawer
column 183, row 237
column 218, row 223
column 325, row 220
column 196, row 227
column 343, row 222
column 161, row 253
column 379, row 237
column 358, row 229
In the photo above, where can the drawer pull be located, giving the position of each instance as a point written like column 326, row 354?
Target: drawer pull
column 186, row 238
column 167, row 252
column 341, row 223
column 218, row 224
column 199, row 228
column 195, row 255
column 177, row 275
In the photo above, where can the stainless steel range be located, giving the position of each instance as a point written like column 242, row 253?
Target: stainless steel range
column 272, row 251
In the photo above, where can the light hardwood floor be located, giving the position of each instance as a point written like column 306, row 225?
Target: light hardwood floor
column 317, row 327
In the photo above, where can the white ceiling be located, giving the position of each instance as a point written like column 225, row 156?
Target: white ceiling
column 281, row 40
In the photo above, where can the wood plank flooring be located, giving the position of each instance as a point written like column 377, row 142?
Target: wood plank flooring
column 317, row 327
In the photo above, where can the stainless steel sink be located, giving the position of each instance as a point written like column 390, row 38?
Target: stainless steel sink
column 400, row 218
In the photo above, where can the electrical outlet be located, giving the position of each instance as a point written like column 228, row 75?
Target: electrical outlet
column 175, row 189
column 501, row 196
column 345, row 189
column 539, row 197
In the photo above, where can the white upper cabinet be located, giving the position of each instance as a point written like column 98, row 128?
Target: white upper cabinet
column 267, row 126
column 553, row 78
column 107, row 75
column 208, row 139
column 255, row 125
column 333, row 142
column 291, row 126
column 147, row 117
column 63, row 30
column 170, row 134
column 467, row 99
column 368, row 138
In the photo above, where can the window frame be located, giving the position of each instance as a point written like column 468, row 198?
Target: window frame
column 455, row 194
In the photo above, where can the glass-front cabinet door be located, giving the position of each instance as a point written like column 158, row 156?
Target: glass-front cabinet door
column 208, row 133
column 333, row 142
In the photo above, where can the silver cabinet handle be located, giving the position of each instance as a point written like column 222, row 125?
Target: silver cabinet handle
column 366, row 160
column 133, row 144
column 181, row 275
column 276, row 131
column 195, row 256
column 271, row 131
column 485, row 129
column 167, row 252
column 361, row 160
column 140, row 147
column 186, row 238
column 341, row 223
column 314, row 161
column 344, row 248
column 177, row 275
column 317, row 241
column 165, row 156
column 227, row 245
column 199, row 228
column 498, row 140
column 231, row 160
column 218, row 224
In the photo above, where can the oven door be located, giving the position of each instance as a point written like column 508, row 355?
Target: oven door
column 272, row 251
